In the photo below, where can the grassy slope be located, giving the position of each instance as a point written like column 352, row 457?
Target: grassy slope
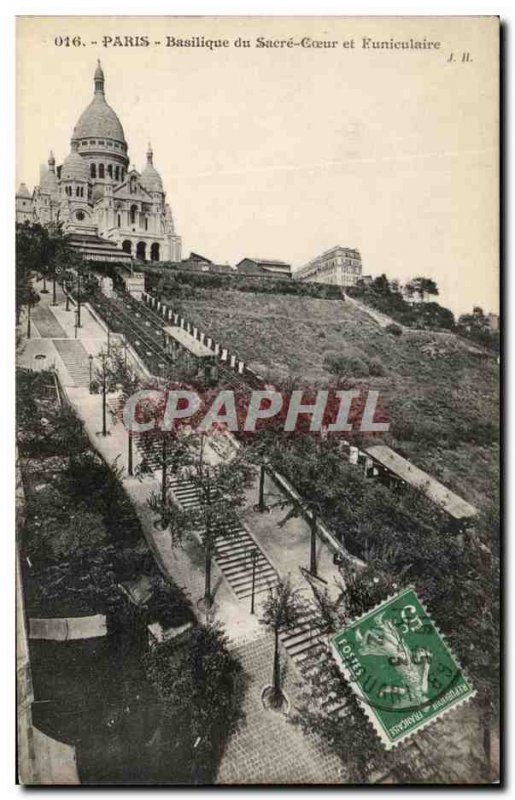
column 438, row 384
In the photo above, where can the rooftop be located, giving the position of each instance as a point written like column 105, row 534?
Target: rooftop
column 265, row 261
column 188, row 341
column 454, row 505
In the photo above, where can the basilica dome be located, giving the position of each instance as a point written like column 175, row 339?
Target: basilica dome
column 74, row 168
column 99, row 120
column 48, row 183
column 150, row 178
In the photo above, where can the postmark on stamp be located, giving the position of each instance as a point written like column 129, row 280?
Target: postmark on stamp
column 400, row 667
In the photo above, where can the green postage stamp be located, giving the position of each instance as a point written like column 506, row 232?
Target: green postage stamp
column 400, row 667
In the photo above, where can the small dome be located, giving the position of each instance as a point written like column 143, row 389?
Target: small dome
column 23, row 191
column 49, row 183
column 74, row 168
column 150, row 178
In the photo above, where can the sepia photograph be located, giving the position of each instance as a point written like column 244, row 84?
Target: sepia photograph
column 258, row 370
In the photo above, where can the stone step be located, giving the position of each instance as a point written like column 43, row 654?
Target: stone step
column 258, row 590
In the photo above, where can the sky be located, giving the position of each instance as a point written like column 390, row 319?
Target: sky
column 283, row 152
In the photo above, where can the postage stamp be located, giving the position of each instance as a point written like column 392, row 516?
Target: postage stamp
column 400, row 667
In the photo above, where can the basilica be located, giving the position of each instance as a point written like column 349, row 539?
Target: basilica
column 110, row 210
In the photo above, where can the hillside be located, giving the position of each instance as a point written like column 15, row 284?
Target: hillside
column 441, row 393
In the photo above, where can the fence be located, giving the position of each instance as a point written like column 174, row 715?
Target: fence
column 231, row 360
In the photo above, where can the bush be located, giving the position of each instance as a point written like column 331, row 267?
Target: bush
column 340, row 364
column 394, row 329
column 376, row 367
column 199, row 687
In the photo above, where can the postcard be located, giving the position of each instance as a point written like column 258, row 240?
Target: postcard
column 258, row 395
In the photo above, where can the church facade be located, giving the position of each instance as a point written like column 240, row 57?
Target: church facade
column 109, row 208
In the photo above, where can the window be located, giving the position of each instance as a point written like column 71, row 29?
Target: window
column 133, row 213
column 110, row 170
column 80, row 215
column 119, row 220
column 146, row 223
column 101, row 172
column 117, row 173
column 93, row 170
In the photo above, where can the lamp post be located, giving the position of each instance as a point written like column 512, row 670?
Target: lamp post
column 313, row 547
column 29, row 306
column 66, row 291
column 78, row 300
column 90, row 358
column 254, row 557
column 108, row 320
column 76, row 324
column 130, row 469
column 104, row 409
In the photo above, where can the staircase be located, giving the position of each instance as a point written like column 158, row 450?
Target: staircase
column 47, row 325
column 75, row 358
column 232, row 549
column 305, row 644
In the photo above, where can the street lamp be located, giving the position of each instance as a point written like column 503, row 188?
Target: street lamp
column 104, row 409
column 78, row 300
column 76, row 324
column 130, row 467
column 90, row 357
column 108, row 320
column 67, row 293
column 29, row 306
column 254, row 557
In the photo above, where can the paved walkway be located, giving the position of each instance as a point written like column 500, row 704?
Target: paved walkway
column 268, row 749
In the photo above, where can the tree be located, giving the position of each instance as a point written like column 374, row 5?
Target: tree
column 421, row 286
column 281, row 611
column 199, row 687
column 220, row 496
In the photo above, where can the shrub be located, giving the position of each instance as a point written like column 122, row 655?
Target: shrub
column 394, row 329
column 199, row 687
column 376, row 367
column 340, row 364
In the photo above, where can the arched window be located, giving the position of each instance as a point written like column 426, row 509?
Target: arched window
column 101, row 173
column 154, row 252
column 117, row 173
column 141, row 249
column 146, row 223
column 127, row 246
column 93, row 170
column 134, row 211
column 123, row 174
column 119, row 220
column 110, row 170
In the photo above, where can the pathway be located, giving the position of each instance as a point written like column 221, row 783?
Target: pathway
column 46, row 323
column 75, row 358
column 267, row 748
